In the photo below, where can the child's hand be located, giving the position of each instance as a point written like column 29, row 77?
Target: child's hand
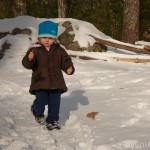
column 69, row 70
column 31, row 56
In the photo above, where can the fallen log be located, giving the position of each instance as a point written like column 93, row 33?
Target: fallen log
column 135, row 60
column 87, row 58
column 147, row 47
column 122, row 46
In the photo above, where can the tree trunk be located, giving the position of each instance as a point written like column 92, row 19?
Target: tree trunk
column 62, row 6
column 4, row 8
column 19, row 8
column 130, row 21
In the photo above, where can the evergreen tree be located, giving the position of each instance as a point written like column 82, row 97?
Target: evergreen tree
column 19, row 7
column 42, row 8
column 106, row 15
column 6, row 8
column 144, row 16
column 2, row 8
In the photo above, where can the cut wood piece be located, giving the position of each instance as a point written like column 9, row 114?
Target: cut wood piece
column 122, row 46
column 87, row 58
column 135, row 60
column 147, row 47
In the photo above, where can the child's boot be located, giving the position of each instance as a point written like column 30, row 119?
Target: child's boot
column 40, row 119
column 53, row 125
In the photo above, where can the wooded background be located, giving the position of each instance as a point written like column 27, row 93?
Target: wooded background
column 113, row 17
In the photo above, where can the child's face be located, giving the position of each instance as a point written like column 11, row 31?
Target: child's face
column 47, row 41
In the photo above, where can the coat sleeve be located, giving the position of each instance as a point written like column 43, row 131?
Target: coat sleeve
column 66, row 61
column 29, row 64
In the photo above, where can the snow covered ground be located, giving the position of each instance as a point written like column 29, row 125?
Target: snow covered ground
column 119, row 91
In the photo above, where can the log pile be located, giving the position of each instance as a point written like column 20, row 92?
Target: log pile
column 147, row 47
column 132, row 48
column 87, row 58
column 134, row 60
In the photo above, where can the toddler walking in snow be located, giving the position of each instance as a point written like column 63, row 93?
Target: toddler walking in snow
column 47, row 59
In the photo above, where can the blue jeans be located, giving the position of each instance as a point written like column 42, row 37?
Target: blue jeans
column 50, row 98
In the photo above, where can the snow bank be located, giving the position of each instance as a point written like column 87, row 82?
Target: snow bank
column 118, row 91
column 142, row 43
column 81, row 29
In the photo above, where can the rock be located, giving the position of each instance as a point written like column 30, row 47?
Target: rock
column 97, row 47
column 67, row 37
column 5, row 46
column 16, row 31
column 21, row 31
column 3, row 34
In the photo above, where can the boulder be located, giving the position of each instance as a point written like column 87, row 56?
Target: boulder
column 4, row 47
column 16, row 31
column 67, row 40
column 97, row 47
column 3, row 34
column 67, row 37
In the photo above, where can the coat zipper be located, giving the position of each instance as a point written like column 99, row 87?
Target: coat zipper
column 50, row 70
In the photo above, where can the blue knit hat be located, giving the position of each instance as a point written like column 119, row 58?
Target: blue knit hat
column 48, row 29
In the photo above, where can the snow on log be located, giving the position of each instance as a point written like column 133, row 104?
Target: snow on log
column 132, row 48
column 86, row 57
column 147, row 47
column 135, row 60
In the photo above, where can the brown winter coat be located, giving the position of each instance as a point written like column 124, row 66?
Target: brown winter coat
column 47, row 66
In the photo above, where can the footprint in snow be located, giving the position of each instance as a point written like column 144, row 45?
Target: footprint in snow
column 135, row 80
column 140, row 106
column 130, row 122
column 72, row 122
